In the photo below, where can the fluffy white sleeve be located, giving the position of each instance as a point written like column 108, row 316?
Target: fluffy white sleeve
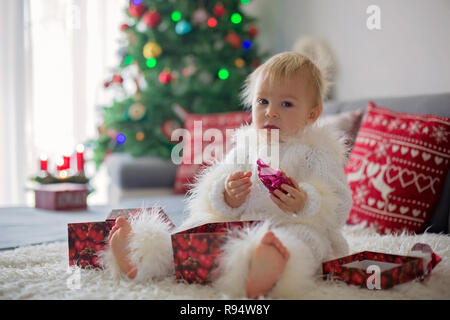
column 322, row 164
column 208, row 191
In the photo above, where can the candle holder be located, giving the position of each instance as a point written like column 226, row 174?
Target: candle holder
column 63, row 173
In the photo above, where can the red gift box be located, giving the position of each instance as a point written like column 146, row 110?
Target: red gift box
column 87, row 239
column 376, row 270
column 61, row 196
column 196, row 251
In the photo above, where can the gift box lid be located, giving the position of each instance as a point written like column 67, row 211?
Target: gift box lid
column 219, row 227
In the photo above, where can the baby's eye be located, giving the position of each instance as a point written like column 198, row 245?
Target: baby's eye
column 286, row 104
column 262, row 101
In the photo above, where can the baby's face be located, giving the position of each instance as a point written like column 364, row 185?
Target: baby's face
column 284, row 104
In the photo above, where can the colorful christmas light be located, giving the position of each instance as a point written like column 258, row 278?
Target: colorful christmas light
column 176, row 16
column 128, row 60
column 212, row 22
column 223, row 74
column 151, row 62
column 246, row 44
column 120, row 138
column 236, row 18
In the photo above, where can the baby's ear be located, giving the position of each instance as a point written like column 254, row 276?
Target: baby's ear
column 315, row 113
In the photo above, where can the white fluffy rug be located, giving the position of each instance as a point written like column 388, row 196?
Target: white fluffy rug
column 41, row 272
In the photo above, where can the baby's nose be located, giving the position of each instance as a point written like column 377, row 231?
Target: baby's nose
column 272, row 112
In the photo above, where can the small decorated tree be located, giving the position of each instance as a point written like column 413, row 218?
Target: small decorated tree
column 181, row 55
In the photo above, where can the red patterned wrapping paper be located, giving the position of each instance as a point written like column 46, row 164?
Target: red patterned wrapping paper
column 399, row 269
column 196, row 251
column 87, row 239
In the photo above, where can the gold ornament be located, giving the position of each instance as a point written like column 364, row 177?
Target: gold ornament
column 137, row 111
column 239, row 62
column 152, row 50
column 140, row 136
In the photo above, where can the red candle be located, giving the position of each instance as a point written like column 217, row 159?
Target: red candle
column 60, row 164
column 66, row 163
column 44, row 163
column 80, row 158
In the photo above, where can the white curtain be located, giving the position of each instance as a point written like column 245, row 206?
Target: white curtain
column 13, row 103
column 55, row 57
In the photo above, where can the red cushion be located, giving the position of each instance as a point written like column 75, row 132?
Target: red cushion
column 189, row 166
column 397, row 169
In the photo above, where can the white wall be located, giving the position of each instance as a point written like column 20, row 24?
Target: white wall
column 409, row 55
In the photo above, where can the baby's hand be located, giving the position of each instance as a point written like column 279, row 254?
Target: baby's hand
column 237, row 187
column 294, row 201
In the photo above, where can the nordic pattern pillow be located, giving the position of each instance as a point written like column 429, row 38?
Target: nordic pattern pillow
column 397, row 169
column 189, row 166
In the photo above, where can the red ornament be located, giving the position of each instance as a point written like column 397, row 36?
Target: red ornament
column 233, row 39
column 151, row 18
column 117, row 79
column 136, row 11
column 167, row 128
column 219, row 10
column 253, row 31
column 165, row 77
column 255, row 63
column 212, row 22
column 124, row 27
column 106, row 84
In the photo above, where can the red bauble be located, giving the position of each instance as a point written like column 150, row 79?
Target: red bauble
column 165, row 77
column 124, row 27
column 253, row 31
column 151, row 18
column 255, row 63
column 117, row 79
column 233, row 39
column 168, row 127
column 219, row 10
column 136, row 11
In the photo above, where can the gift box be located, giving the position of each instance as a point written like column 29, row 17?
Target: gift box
column 376, row 270
column 196, row 251
column 88, row 239
column 61, row 196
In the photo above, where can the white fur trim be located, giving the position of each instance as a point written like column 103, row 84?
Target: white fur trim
column 313, row 200
column 297, row 278
column 151, row 246
column 217, row 200
column 108, row 262
column 235, row 259
column 299, row 274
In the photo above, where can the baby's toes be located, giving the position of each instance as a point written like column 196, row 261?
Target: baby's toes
column 113, row 230
column 120, row 221
column 268, row 238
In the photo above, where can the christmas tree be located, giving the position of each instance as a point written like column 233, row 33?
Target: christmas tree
column 188, row 55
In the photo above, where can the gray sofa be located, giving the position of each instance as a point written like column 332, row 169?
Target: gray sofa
column 150, row 179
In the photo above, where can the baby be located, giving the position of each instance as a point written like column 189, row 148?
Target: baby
column 301, row 223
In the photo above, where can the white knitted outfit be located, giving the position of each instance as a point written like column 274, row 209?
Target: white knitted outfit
column 315, row 158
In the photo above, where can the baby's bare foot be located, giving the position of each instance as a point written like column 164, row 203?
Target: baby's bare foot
column 268, row 262
column 118, row 240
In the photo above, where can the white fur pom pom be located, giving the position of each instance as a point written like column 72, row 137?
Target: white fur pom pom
column 320, row 54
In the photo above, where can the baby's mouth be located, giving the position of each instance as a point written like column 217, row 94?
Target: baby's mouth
column 271, row 127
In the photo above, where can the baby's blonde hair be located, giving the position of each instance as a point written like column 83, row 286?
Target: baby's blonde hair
column 284, row 65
